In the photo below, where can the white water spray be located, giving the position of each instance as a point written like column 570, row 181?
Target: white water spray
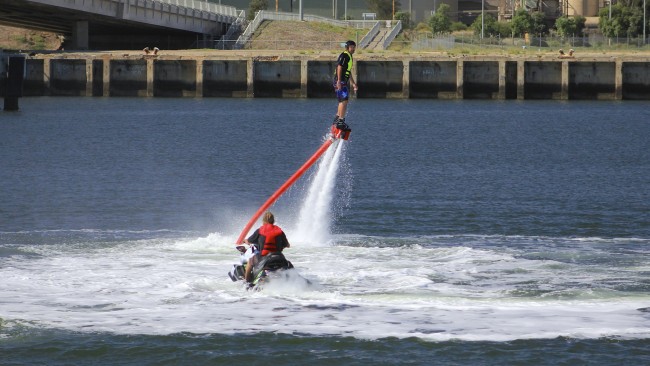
column 315, row 214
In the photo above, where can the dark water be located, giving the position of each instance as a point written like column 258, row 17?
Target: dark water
column 502, row 233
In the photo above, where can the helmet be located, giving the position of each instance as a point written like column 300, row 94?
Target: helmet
column 350, row 43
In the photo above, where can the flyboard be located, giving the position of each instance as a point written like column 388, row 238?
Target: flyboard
column 236, row 273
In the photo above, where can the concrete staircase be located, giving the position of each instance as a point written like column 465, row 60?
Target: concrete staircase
column 377, row 43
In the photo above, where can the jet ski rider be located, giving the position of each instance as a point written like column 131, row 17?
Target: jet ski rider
column 268, row 239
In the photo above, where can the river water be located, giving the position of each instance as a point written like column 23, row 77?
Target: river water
column 456, row 232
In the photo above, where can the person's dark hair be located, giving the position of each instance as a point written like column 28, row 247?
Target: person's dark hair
column 350, row 43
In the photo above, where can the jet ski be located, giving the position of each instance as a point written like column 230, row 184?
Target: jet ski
column 272, row 267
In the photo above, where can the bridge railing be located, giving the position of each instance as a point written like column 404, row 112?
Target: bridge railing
column 263, row 15
column 365, row 41
column 199, row 5
column 391, row 36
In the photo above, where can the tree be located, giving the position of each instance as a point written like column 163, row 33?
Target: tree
column 440, row 22
column 570, row 26
column 521, row 23
column 625, row 21
column 489, row 26
column 255, row 6
column 537, row 23
column 383, row 8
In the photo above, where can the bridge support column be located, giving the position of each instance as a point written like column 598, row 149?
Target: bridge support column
column 564, row 94
column 521, row 74
column 89, row 77
column 150, row 77
column 502, row 80
column 460, row 79
column 106, row 76
column 46, row 76
column 80, row 35
column 304, row 71
column 199, row 78
column 618, row 80
column 406, row 88
column 250, row 78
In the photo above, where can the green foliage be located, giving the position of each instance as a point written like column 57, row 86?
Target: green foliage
column 625, row 21
column 440, row 22
column 405, row 17
column 422, row 27
column 491, row 28
column 255, row 6
column 383, row 8
column 538, row 24
column 524, row 22
column 521, row 23
column 458, row 26
column 570, row 26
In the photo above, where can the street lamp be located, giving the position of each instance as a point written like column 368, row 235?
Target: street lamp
column 644, row 23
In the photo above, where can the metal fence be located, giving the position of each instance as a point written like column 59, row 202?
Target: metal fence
column 594, row 41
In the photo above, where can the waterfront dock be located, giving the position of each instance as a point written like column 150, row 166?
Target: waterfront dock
column 261, row 75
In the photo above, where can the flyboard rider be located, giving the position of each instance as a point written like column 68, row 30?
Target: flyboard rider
column 343, row 77
column 266, row 240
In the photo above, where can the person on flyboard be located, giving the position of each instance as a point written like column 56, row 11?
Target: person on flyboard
column 343, row 78
column 268, row 239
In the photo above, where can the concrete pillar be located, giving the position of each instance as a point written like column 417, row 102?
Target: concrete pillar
column 618, row 80
column 250, row 78
column 89, row 77
column 303, row 78
column 150, row 77
column 502, row 80
column 80, row 35
column 521, row 75
column 106, row 76
column 564, row 94
column 199, row 77
column 459, row 79
column 46, row 76
column 405, row 79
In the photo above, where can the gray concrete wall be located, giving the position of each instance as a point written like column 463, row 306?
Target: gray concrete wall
column 276, row 79
column 480, row 80
column 433, row 79
column 636, row 80
column 68, row 77
column 543, row 80
column 225, row 78
column 380, row 79
column 34, row 84
column 592, row 80
column 128, row 78
column 416, row 78
column 320, row 79
column 174, row 78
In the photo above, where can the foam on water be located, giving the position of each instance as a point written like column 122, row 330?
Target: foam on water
column 445, row 292
column 466, row 287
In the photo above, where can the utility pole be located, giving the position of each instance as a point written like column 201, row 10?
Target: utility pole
column 482, row 19
column 644, row 23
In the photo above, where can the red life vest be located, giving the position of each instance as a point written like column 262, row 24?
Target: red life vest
column 270, row 233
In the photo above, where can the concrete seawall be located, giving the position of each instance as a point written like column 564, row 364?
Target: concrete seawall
column 419, row 77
